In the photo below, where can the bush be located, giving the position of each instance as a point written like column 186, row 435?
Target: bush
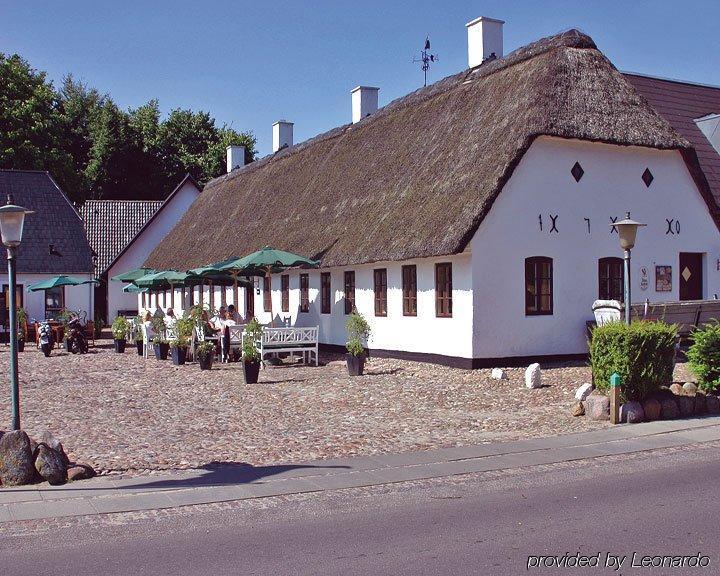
column 120, row 327
column 642, row 353
column 253, row 332
column 704, row 356
column 358, row 331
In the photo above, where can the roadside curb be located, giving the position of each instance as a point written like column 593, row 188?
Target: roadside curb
column 227, row 483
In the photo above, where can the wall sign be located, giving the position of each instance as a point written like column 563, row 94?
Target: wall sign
column 643, row 278
column 673, row 226
column 663, row 278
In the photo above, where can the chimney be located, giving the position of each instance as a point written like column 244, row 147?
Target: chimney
column 364, row 102
column 282, row 135
column 235, row 157
column 485, row 38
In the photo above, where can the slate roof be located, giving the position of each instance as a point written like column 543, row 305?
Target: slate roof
column 680, row 103
column 55, row 222
column 417, row 178
column 111, row 225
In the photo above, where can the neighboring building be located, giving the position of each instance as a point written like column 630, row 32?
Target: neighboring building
column 470, row 221
column 118, row 251
column 53, row 243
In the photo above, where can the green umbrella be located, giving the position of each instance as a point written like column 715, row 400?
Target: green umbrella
column 132, row 289
column 162, row 281
column 132, row 275
column 56, row 281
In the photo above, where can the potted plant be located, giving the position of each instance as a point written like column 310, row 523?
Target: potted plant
column 139, row 343
column 358, row 333
column 21, row 333
column 120, row 328
column 178, row 350
column 250, row 353
column 205, row 352
column 138, row 333
column 160, row 347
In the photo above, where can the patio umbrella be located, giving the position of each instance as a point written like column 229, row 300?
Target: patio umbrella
column 219, row 276
column 266, row 261
column 132, row 275
column 132, row 289
column 162, row 281
column 56, row 281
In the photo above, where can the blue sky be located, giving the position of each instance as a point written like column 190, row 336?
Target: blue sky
column 251, row 63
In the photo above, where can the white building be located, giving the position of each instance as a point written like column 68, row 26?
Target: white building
column 124, row 232
column 53, row 244
column 471, row 221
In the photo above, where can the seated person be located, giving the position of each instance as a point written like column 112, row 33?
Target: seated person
column 209, row 328
column 170, row 318
column 233, row 313
column 219, row 318
column 147, row 322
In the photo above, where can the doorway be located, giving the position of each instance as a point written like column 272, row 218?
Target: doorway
column 691, row 276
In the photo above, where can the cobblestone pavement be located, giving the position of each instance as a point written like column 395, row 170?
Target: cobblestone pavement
column 119, row 412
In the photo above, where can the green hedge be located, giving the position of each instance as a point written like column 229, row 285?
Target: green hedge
column 641, row 353
column 704, row 356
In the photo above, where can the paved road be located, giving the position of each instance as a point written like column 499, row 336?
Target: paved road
column 661, row 502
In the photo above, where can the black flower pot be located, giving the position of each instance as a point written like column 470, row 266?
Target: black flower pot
column 355, row 364
column 46, row 348
column 68, row 344
column 206, row 361
column 252, row 371
column 161, row 350
column 139, row 344
column 120, row 345
column 178, row 355
column 21, row 345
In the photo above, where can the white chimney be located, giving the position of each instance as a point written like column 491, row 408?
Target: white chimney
column 485, row 37
column 364, row 102
column 235, row 157
column 282, row 134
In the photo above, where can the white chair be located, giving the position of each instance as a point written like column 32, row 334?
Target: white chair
column 606, row 311
column 146, row 339
column 235, row 336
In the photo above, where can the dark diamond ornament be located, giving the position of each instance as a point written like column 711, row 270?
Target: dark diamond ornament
column 647, row 177
column 577, row 172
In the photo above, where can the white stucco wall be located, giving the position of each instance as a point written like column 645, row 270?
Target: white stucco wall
column 611, row 186
column 76, row 297
column 136, row 254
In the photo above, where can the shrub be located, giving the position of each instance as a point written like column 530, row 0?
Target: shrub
column 21, row 321
column 253, row 330
column 642, row 354
column 205, row 349
column 184, row 327
column 120, row 327
column 704, row 356
column 358, row 331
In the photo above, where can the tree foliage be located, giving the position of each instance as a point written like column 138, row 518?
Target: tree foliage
column 97, row 150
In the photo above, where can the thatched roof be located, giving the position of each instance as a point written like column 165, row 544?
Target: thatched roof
column 416, row 178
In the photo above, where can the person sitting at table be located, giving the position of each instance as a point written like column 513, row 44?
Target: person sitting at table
column 233, row 313
column 209, row 328
column 147, row 322
column 229, row 321
column 170, row 318
column 219, row 318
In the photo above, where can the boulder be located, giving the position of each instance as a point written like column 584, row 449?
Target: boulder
column 498, row 374
column 49, row 440
column 578, row 409
column 50, row 465
column 583, row 392
column 712, row 404
column 16, row 461
column 690, row 388
column 686, row 404
column 532, row 376
column 597, row 407
column 677, row 389
column 80, row 472
column 632, row 412
column 669, row 409
column 700, row 404
column 652, row 409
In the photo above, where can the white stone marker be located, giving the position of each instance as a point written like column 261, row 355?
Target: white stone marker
column 532, row 376
column 583, row 392
column 498, row 374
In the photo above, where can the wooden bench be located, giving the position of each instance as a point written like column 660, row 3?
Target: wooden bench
column 688, row 315
column 302, row 340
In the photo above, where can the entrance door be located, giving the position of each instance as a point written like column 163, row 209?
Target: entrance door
column 691, row 280
column 249, row 303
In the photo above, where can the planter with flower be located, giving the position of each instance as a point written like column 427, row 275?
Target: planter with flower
column 205, row 353
column 179, row 344
column 138, row 334
column 358, row 331
column 250, row 353
column 120, row 327
column 160, row 347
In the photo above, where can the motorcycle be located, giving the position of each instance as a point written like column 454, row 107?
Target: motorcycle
column 46, row 338
column 75, row 336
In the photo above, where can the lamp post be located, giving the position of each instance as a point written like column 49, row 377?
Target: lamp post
column 12, row 220
column 627, row 231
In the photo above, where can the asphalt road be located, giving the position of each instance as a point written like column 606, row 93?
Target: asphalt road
column 658, row 503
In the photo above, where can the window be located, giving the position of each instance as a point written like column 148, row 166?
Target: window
column 409, row 290
column 538, row 286
column 611, row 279
column 285, row 292
column 380, row 282
column 325, row 293
column 349, row 288
column 267, row 294
column 304, row 293
column 5, row 310
column 443, row 290
column 249, row 303
column 54, row 302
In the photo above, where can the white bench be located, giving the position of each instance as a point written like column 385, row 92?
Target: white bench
column 303, row 340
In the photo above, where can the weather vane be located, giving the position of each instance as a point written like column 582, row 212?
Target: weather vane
column 426, row 57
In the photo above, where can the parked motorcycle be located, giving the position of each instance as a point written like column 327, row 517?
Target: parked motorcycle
column 46, row 337
column 75, row 336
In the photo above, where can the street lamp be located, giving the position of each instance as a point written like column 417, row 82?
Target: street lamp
column 12, row 220
column 627, row 230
